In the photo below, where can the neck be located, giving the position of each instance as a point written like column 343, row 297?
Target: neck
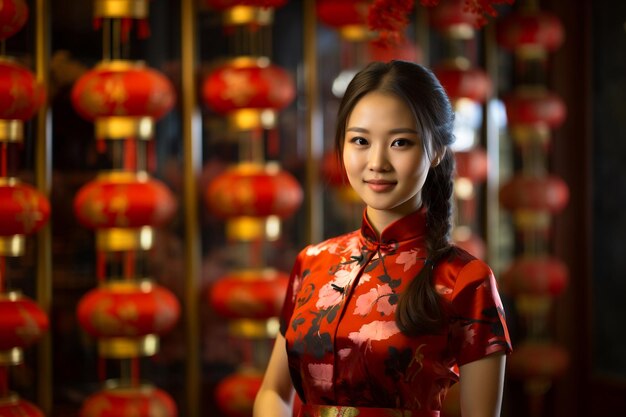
column 381, row 219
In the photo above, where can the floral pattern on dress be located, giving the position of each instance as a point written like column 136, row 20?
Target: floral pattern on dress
column 344, row 347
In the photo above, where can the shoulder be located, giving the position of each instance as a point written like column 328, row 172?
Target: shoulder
column 460, row 270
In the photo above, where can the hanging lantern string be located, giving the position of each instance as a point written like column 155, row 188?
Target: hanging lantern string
column 134, row 372
column 2, row 278
column 4, row 382
column 3, row 160
column 129, row 264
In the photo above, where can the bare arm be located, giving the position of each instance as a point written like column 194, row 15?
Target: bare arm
column 275, row 397
column 481, row 386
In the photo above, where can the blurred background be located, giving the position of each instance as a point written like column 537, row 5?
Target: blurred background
column 162, row 162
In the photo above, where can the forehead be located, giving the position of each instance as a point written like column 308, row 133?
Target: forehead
column 381, row 107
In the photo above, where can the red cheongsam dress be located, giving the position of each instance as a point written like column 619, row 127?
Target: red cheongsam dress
column 346, row 354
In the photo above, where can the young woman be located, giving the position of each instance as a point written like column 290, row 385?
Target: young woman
column 383, row 320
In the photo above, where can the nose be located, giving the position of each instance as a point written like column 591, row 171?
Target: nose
column 378, row 159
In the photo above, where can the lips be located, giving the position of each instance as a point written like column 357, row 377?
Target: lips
column 380, row 185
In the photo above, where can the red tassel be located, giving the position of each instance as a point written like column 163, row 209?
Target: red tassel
column 102, row 369
column 273, row 142
column 97, row 23
column 101, row 145
column 151, row 156
column 127, row 24
column 130, row 154
column 3, row 160
column 101, row 266
column 143, row 29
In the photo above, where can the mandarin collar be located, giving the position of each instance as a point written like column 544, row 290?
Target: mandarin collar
column 408, row 228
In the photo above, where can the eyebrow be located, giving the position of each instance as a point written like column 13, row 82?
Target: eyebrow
column 393, row 131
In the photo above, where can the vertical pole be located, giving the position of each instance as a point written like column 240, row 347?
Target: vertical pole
column 313, row 195
column 43, row 176
column 191, row 168
column 492, row 145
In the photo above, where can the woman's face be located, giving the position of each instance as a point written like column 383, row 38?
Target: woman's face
column 384, row 156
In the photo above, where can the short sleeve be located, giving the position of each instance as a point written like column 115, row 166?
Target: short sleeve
column 478, row 320
column 295, row 281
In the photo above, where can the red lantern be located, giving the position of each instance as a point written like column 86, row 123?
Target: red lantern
column 140, row 401
column 349, row 17
column 249, row 294
column 13, row 406
column 20, row 98
column 23, row 209
column 254, row 190
column 534, row 106
column 549, row 194
column 460, row 82
column 22, row 323
column 13, row 16
column 235, row 394
column 127, row 317
column 472, row 164
column 453, row 17
column 530, row 32
column 536, row 359
column 540, row 275
column 124, row 199
column 249, row 90
column 124, row 98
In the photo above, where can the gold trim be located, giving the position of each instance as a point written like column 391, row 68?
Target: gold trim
column 137, row 9
column 532, row 220
column 355, row 33
column 461, row 31
column 254, row 329
column 10, row 181
column 120, row 239
column 126, row 347
column 246, row 15
column 123, row 177
column 11, row 130
column 120, row 64
column 124, row 127
column 12, row 245
column 11, row 357
column 529, row 134
column 249, row 119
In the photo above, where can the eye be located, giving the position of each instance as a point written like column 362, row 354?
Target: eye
column 358, row 140
column 399, row 143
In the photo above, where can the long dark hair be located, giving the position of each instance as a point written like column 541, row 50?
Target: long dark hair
column 419, row 310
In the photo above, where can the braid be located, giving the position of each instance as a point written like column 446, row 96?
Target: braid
column 419, row 310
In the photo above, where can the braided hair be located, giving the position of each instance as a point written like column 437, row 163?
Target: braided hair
column 419, row 309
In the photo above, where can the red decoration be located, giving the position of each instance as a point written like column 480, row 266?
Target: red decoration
column 548, row 193
column 254, row 190
column 541, row 275
column 534, row 359
column 124, row 199
column 453, row 16
column 471, row 83
column 235, row 394
column 472, row 164
column 128, row 309
column 389, row 19
column 530, row 106
column 13, row 406
column 141, row 401
column 23, row 209
column 530, row 31
column 227, row 4
column 249, row 294
column 248, row 83
column 122, row 88
column 404, row 50
column 22, row 321
column 13, row 16
column 341, row 13
column 20, row 94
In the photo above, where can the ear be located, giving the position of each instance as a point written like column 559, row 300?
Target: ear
column 438, row 157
